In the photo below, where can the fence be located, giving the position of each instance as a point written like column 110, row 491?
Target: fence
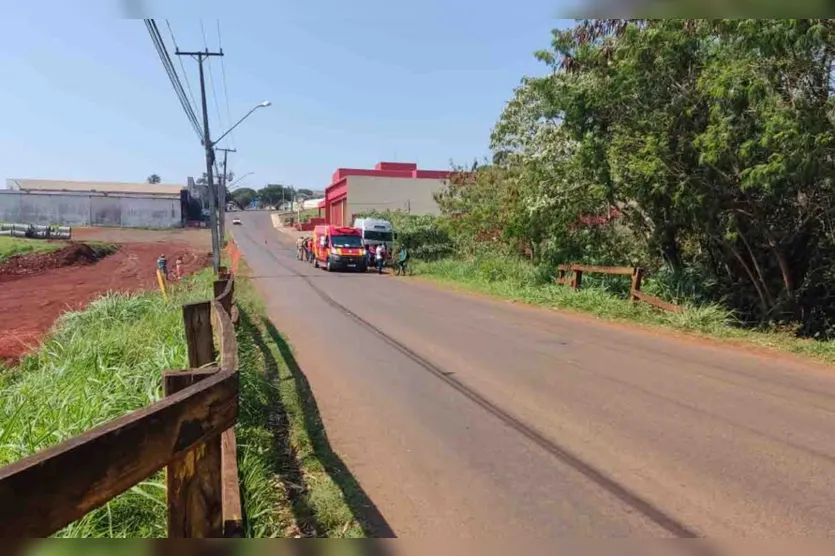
column 635, row 293
column 190, row 432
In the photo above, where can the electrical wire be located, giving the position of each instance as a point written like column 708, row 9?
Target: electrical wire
column 225, row 89
column 173, row 77
column 212, row 81
column 182, row 67
column 162, row 51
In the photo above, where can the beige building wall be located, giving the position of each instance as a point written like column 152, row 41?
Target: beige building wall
column 378, row 193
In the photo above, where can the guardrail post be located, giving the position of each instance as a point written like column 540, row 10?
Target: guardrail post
column 577, row 280
column 195, row 488
column 219, row 288
column 197, row 318
column 637, row 278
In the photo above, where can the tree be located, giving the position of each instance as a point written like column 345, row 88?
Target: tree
column 306, row 193
column 154, row 178
column 243, row 196
column 274, row 194
column 712, row 141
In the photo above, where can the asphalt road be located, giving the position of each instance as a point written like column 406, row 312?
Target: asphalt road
column 466, row 417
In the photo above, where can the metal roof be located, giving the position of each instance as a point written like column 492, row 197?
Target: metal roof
column 98, row 186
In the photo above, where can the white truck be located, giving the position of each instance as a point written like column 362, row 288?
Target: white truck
column 375, row 232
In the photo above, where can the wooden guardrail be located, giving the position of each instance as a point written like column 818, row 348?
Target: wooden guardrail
column 190, row 432
column 635, row 293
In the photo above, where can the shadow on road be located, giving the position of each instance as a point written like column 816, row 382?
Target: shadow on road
column 287, row 463
column 365, row 511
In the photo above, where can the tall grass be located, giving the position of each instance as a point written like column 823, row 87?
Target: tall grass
column 11, row 246
column 98, row 364
column 605, row 297
column 103, row 362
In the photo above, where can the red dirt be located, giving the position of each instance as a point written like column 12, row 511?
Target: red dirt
column 37, row 263
column 37, row 288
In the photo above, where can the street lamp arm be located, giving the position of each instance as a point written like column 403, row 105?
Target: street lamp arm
column 231, row 185
column 262, row 105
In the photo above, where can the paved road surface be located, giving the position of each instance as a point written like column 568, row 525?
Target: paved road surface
column 467, row 417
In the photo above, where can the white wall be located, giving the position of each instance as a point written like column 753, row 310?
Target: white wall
column 367, row 193
column 74, row 209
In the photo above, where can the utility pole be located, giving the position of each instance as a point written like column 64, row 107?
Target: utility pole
column 222, row 197
column 210, row 156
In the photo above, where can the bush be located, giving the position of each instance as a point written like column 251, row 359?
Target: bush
column 422, row 235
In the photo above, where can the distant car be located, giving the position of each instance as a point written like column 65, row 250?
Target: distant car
column 236, row 221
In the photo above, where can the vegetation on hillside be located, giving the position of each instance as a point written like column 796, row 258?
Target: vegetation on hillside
column 12, row 246
column 700, row 150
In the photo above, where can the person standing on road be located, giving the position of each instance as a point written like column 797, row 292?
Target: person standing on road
column 402, row 259
column 380, row 254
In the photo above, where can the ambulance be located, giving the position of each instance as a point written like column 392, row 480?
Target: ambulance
column 337, row 247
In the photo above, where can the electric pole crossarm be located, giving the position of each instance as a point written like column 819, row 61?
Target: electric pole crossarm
column 199, row 53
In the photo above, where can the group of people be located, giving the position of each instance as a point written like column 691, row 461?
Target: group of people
column 304, row 248
column 376, row 256
column 162, row 265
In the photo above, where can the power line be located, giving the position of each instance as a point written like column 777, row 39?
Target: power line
column 212, row 80
column 225, row 89
column 182, row 67
column 162, row 51
column 159, row 43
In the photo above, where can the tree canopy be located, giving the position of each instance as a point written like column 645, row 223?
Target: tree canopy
column 243, row 196
column 153, row 178
column 692, row 147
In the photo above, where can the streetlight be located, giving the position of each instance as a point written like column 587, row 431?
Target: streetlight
column 217, row 196
column 239, row 179
column 256, row 107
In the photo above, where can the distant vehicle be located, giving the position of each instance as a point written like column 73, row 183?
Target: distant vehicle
column 336, row 247
column 236, row 221
column 375, row 231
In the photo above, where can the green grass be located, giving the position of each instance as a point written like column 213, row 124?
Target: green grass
column 11, row 246
column 105, row 361
column 312, row 494
column 519, row 281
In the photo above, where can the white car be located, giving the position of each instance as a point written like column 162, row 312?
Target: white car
column 236, row 221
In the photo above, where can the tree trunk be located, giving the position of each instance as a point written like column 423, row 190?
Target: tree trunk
column 747, row 269
column 758, row 269
column 669, row 249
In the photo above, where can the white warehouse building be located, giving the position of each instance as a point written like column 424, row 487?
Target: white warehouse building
column 87, row 203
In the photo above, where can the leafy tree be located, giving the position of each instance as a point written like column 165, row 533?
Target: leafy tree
column 154, row 178
column 683, row 145
column 274, row 194
column 243, row 196
column 306, row 193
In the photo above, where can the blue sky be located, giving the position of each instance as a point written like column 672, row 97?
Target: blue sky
column 84, row 96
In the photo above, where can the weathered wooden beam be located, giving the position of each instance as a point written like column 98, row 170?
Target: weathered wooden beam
column 655, row 302
column 637, row 280
column 225, row 332
column 233, row 516
column 224, row 293
column 193, row 481
column 43, row 493
column 623, row 270
column 197, row 318
column 577, row 280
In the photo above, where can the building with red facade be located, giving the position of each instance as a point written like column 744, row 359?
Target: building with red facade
column 389, row 186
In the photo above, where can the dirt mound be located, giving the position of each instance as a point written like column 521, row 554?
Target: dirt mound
column 35, row 263
column 30, row 302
